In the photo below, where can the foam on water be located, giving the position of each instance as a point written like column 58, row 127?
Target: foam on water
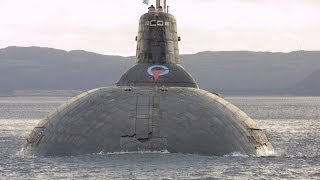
column 236, row 154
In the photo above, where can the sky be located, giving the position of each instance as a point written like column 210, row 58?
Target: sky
column 110, row 26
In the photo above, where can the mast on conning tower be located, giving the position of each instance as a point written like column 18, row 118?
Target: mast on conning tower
column 158, row 2
column 161, row 5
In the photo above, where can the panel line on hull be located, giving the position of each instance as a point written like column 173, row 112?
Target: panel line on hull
column 143, row 117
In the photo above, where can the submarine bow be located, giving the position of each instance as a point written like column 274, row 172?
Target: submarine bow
column 156, row 105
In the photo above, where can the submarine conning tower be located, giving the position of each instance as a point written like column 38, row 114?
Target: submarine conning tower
column 157, row 56
column 157, row 38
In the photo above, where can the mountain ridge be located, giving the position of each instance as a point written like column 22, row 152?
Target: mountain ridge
column 230, row 72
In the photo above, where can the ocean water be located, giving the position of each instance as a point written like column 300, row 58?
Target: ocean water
column 291, row 123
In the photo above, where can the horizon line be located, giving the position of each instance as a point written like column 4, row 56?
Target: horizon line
column 89, row 51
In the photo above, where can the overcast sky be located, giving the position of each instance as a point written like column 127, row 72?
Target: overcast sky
column 110, row 26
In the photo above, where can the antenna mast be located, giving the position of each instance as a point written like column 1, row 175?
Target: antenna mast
column 158, row 3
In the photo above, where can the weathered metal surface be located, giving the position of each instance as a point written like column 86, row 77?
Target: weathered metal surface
column 186, row 120
column 157, row 40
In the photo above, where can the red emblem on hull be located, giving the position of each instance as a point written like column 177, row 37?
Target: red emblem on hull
column 156, row 71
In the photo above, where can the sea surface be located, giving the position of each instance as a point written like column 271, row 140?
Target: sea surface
column 291, row 123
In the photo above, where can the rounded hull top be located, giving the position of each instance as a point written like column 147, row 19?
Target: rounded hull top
column 169, row 75
column 115, row 119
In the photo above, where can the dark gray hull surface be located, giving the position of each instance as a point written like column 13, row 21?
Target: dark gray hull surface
column 185, row 120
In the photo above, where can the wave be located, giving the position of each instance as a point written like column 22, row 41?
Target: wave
column 264, row 154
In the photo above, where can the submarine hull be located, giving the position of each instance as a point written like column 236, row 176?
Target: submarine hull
column 176, row 119
column 156, row 105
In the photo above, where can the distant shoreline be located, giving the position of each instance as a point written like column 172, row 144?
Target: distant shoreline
column 72, row 93
column 239, row 73
column 41, row 93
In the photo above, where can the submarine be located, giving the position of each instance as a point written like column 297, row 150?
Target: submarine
column 156, row 105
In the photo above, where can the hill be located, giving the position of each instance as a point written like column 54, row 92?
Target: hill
column 310, row 86
column 229, row 72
